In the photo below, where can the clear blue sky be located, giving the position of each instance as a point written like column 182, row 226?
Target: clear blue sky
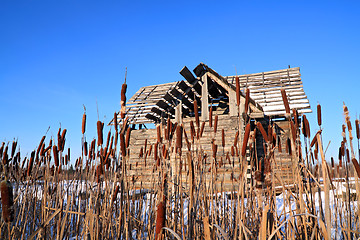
column 56, row 56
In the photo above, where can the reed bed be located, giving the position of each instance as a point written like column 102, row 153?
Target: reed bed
column 44, row 197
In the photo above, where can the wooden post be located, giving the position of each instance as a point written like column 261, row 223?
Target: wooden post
column 178, row 113
column 204, row 99
column 233, row 111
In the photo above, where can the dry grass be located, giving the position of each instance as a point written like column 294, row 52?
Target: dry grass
column 98, row 199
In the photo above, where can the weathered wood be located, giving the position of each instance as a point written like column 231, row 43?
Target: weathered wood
column 204, row 99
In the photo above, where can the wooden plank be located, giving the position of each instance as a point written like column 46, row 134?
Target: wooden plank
column 185, row 72
column 205, row 100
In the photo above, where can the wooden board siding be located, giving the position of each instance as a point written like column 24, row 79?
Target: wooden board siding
column 145, row 175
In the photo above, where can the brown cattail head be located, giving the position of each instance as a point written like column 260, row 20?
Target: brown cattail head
column 160, row 220
column 100, row 126
column 293, row 130
column 214, row 148
column 202, row 128
column 196, row 111
column 127, row 139
column 83, row 125
column 210, row 116
column 216, row 123
column 262, row 130
column 56, row 155
column 332, row 162
column 288, row 146
column 223, row 138
column 279, row 144
column 319, row 114
column 31, row 163
column 123, row 100
column 246, row 138
column 178, row 144
column 232, row 151
column 247, row 100
column 7, row 202
column 237, row 81
column 348, row 155
column 192, row 131
column 158, row 133
column 285, row 100
column 356, row 166
column 236, row 139
column 14, row 144
column 296, row 116
column 357, row 129
column 122, row 145
column 61, row 147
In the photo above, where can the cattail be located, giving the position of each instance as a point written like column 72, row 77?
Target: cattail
column 42, row 150
column 279, row 144
column 123, row 100
column 293, row 131
column 246, row 138
column 247, row 100
column 100, row 132
column 168, row 129
column 348, row 155
column 332, row 162
column 13, row 148
column 56, row 156
column 114, row 196
column 141, row 153
column 5, row 156
column 156, row 154
column 150, row 149
column 357, row 129
column 319, row 114
column 285, row 100
column 7, row 202
column 85, row 148
column 127, row 142
column 145, row 145
column 115, row 121
column 210, row 116
column 262, row 130
column 237, row 81
column 83, row 125
column 288, row 146
column 202, row 128
column 216, row 123
column 178, row 144
column 63, row 139
column 223, row 138
column 357, row 167
column 232, row 151
column 160, row 219
column 314, row 140
column 122, row 145
column 236, row 139
column 192, row 132
column 214, row 149
column 31, row 162
column 158, row 131
column 295, row 114
column 349, row 125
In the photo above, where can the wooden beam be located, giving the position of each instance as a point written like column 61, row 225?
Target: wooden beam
column 204, row 99
column 185, row 72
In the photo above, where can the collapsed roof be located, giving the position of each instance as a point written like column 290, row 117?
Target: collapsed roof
column 152, row 103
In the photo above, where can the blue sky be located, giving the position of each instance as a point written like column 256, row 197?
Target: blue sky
column 56, row 56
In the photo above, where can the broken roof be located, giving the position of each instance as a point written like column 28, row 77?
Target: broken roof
column 150, row 104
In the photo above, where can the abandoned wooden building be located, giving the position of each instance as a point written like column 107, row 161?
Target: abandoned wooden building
column 215, row 95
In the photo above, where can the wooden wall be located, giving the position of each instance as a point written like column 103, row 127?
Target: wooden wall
column 144, row 170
